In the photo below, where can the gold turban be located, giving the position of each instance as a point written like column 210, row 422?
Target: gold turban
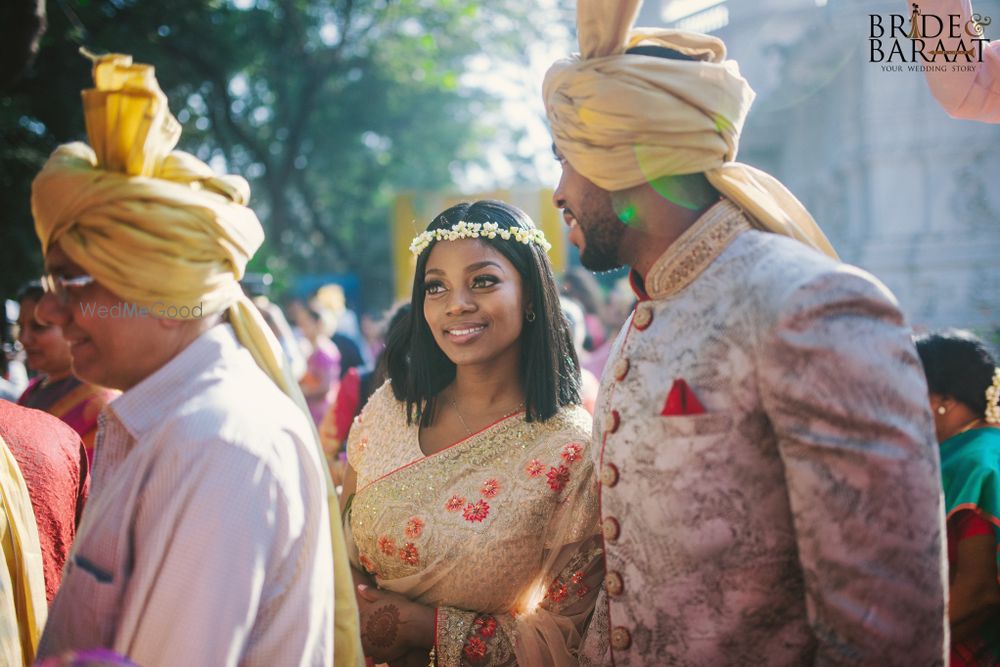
column 624, row 120
column 160, row 228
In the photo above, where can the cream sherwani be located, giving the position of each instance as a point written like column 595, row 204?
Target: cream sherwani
column 799, row 519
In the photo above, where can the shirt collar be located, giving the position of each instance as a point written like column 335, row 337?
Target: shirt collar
column 144, row 405
column 693, row 251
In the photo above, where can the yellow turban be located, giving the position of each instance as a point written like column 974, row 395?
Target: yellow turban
column 624, row 120
column 160, row 228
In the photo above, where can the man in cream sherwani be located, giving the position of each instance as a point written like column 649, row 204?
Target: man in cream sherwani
column 769, row 474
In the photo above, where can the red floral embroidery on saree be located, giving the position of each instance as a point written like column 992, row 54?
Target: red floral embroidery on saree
column 414, row 527
column 455, row 504
column 558, row 478
column 408, row 554
column 557, row 591
column 366, row 563
column 572, row 453
column 486, row 626
column 577, row 577
column 474, row 649
column 477, row 511
column 582, row 591
column 386, row 545
column 535, row 468
column 490, row 489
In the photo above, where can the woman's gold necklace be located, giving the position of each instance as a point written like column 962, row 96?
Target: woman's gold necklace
column 961, row 430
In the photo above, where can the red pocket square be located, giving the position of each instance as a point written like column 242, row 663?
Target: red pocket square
column 681, row 401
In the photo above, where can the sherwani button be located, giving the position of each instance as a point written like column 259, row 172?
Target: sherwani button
column 609, row 475
column 614, row 421
column 643, row 317
column 614, row 584
column 620, row 638
column 612, row 529
column 621, row 369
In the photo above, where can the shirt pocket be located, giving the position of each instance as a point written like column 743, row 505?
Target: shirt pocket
column 86, row 610
column 683, row 441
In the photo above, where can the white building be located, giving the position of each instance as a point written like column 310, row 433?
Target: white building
column 900, row 188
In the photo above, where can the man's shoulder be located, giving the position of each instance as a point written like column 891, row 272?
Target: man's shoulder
column 765, row 257
column 29, row 429
column 771, row 270
column 237, row 409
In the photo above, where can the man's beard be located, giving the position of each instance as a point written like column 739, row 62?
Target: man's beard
column 602, row 239
column 597, row 260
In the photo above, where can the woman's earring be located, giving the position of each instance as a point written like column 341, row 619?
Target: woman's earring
column 941, row 410
column 530, row 316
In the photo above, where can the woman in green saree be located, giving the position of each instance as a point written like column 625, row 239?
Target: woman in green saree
column 964, row 385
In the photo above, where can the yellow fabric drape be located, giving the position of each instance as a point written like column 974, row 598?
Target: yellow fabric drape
column 22, row 581
column 624, row 120
column 161, row 230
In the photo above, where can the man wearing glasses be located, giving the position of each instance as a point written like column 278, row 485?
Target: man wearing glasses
column 207, row 536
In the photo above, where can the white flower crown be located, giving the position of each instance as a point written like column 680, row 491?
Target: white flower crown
column 993, row 399
column 474, row 230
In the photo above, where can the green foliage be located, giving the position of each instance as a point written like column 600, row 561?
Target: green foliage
column 329, row 108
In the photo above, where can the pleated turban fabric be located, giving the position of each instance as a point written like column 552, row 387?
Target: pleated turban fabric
column 158, row 227
column 622, row 120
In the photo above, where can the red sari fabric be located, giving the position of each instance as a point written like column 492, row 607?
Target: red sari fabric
column 961, row 526
column 54, row 465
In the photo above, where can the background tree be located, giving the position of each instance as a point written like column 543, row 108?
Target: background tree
column 329, row 108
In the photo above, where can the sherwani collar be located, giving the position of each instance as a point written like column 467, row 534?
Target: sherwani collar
column 692, row 252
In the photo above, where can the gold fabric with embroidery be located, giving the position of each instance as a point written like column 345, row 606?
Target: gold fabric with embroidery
column 696, row 248
column 481, row 529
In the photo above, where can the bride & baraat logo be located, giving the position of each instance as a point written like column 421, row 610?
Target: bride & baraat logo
column 923, row 42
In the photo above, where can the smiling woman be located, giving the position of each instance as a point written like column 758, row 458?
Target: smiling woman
column 471, row 279
column 474, row 459
column 56, row 389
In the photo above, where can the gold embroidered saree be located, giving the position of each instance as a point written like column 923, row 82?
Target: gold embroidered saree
column 498, row 531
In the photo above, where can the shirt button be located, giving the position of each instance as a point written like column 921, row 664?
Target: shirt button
column 621, row 369
column 609, row 475
column 620, row 638
column 613, row 583
column 643, row 317
column 612, row 529
column 614, row 421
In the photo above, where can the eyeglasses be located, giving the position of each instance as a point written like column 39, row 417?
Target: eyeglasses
column 59, row 285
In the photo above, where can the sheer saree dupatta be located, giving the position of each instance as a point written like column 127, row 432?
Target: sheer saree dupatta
column 499, row 533
column 547, row 625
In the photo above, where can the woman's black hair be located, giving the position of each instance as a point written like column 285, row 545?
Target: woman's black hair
column 549, row 365
column 958, row 365
column 395, row 358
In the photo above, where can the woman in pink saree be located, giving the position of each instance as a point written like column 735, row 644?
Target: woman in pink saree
column 471, row 497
